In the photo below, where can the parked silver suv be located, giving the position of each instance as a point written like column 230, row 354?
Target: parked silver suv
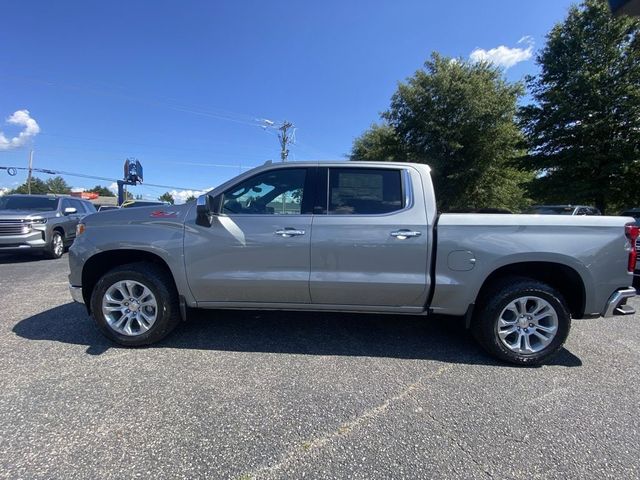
column 40, row 223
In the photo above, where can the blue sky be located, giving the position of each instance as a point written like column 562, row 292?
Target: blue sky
column 179, row 85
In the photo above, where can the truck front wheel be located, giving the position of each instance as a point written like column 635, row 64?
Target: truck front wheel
column 522, row 321
column 135, row 304
column 55, row 248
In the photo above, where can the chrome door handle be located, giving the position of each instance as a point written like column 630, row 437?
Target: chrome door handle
column 404, row 234
column 289, row 232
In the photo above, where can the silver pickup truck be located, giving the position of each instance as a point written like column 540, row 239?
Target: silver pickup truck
column 352, row 237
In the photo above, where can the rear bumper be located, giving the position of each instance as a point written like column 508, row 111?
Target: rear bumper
column 76, row 294
column 617, row 303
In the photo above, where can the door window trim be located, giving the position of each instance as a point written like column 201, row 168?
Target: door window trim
column 405, row 184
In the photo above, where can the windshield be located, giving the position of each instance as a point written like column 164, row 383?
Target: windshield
column 38, row 204
column 551, row 210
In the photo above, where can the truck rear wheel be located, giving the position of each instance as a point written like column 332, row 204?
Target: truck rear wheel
column 522, row 321
column 135, row 304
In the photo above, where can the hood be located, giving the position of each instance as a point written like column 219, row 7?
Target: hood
column 25, row 214
column 153, row 213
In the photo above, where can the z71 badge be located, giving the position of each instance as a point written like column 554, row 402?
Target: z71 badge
column 163, row 214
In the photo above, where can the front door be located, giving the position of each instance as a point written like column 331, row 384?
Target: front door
column 257, row 249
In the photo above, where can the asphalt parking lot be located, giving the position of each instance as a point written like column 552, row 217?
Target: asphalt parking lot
column 243, row 395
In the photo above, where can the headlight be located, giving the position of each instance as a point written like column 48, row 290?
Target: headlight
column 80, row 228
column 38, row 221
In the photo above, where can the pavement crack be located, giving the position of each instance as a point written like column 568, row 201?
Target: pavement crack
column 306, row 448
column 459, row 445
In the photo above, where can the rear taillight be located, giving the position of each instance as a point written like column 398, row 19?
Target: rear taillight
column 631, row 230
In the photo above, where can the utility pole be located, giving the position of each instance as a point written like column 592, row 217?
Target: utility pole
column 29, row 174
column 285, row 139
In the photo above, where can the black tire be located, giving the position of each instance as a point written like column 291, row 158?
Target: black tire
column 496, row 300
column 156, row 279
column 53, row 251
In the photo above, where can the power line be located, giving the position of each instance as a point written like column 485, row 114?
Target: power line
column 93, row 177
column 219, row 114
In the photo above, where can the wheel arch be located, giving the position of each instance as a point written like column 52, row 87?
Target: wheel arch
column 561, row 277
column 100, row 263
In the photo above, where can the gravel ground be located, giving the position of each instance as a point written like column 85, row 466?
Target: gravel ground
column 296, row 395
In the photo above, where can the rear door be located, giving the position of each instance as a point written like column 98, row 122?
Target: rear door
column 257, row 249
column 369, row 239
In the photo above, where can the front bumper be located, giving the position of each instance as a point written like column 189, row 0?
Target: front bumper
column 33, row 240
column 76, row 294
column 617, row 303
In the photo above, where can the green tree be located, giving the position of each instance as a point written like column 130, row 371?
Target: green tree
column 38, row 187
column 57, row 185
column 458, row 117
column 379, row 143
column 102, row 191
column 166, row 197
column 583, row 127
column 190, row 198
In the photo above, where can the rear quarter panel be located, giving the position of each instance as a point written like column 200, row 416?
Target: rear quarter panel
column 595, row 247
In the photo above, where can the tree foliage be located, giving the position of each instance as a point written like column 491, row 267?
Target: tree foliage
column 379, row 143
column 584, row 125
column 102, row 191
column 167, row 197
column 58, row 185
column 190, row 198
column 458, row 117
column 38, row 187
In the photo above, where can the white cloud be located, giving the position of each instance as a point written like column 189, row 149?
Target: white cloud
column 504, row 56
column 3, row 191
column 180, row 196
column 31, row 128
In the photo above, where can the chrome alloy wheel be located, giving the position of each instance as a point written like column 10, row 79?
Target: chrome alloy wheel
column 129, row 307
column 527, row 325
column 58, row 245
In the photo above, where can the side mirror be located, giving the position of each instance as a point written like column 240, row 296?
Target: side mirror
column 70, row 210
column 207, row 207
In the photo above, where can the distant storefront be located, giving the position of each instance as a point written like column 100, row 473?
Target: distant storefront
column 95, row 198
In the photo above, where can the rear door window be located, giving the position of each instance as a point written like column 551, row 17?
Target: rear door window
column 365, row 191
